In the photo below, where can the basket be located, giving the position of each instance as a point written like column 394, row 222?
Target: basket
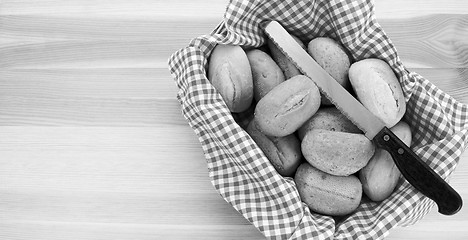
column 242, row 174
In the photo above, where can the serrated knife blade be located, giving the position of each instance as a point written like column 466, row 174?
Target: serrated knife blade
column 417, row 172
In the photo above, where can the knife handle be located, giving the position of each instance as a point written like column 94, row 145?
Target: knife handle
column 419, row 174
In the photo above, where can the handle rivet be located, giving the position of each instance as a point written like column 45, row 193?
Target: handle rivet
column 400, row 151
column 386, row 138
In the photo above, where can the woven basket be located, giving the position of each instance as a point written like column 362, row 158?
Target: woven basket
column 242, row 174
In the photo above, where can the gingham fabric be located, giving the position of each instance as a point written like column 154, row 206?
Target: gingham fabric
column 242, row 174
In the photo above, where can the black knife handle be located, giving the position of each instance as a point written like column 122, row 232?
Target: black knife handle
column 419, row 174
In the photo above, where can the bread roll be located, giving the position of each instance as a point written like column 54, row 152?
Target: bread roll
column 284, row 153
column 287, row 106
column 327, row 194
column 265, row 72
column 328, row 118
column 378, row 89
column 337, row 153
column 230, row 73
column 380, row 176
column 333, row 58
column 288, row 68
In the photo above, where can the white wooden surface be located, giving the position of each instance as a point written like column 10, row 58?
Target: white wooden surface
column 92, row 142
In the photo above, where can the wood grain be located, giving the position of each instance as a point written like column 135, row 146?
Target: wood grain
column 92, row 141
column 437, row 40
column 404, row 10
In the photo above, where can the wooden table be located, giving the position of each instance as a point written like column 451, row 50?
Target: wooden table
column 92, row 141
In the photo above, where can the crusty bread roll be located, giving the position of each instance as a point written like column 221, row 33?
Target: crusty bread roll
column 333, row 58
column 380, row 176
column 327, row 194
column 230, row 73
column 328, row 118
column 337, row 153
column 287, row 106
column 284, row 153
column 288, row 68
column 265, row 72
column 378, row 89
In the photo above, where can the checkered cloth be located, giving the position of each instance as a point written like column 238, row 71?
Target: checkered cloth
column 242, row 174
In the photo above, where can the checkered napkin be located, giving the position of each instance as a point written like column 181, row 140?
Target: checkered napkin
column 242, row 174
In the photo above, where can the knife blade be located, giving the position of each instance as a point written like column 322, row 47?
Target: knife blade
column 414, row 170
